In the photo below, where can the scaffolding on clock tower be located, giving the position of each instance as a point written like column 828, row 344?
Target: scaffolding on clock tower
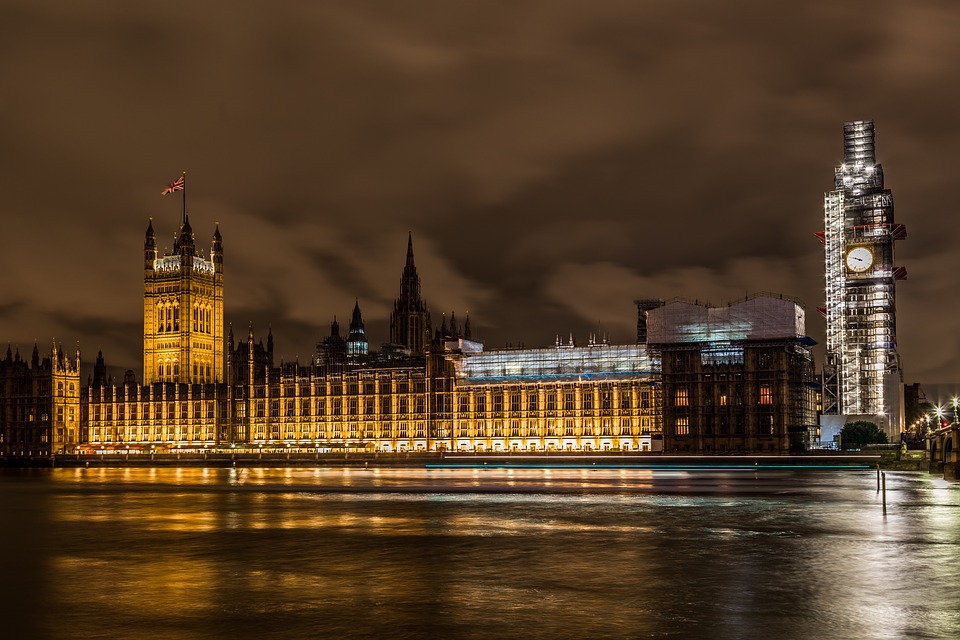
column 862, row 373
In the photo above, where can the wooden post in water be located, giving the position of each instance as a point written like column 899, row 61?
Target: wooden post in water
column 884, row 485
column 878, row 477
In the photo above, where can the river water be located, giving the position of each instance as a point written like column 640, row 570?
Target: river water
column 334, row 553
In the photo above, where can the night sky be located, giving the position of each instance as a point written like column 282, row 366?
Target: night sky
column 554, row 160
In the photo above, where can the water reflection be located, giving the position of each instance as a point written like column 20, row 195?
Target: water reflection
column 540, row 553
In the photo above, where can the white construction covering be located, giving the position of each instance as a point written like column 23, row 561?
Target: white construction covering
column 760, row 316
column 600, row 361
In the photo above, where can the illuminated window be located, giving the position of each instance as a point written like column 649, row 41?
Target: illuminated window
column 683, row 426
column 681, row 397
column 606, row 399
column 766, row 394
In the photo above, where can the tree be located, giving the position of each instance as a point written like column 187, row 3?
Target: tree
column 856, row 434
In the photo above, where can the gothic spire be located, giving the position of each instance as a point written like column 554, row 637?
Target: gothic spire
column 410, row 320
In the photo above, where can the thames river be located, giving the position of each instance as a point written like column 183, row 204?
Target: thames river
column 477, row 553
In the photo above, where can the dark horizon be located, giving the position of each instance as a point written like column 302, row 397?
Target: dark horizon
column 553, row 163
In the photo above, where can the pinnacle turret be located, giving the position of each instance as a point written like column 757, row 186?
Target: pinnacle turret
column 357, row 340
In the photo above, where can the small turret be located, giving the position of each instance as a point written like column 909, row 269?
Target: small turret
column 149, row 248
column 184, row 245
column 99, row 371
column 357, row 339
column 216, row 250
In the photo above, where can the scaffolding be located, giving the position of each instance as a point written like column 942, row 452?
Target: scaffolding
column 860, row 294
column 564, row 362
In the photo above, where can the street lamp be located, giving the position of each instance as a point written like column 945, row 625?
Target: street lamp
column 954, row 401
column 939, row 412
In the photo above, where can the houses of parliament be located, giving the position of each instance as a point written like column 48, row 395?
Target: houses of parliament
column 206, row 387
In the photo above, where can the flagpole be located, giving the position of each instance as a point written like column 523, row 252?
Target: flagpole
column 184, row 176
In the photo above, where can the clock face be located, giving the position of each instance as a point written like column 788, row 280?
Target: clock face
column 859, row 259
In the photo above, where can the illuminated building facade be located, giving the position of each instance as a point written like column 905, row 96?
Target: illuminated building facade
column 183, row 310
column 598, row 397
column 862, row 374
column 708, row 380
column 39, row 403
column 414, row 394
column 739, row 378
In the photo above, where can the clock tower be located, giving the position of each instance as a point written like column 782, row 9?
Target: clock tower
column 862, row 374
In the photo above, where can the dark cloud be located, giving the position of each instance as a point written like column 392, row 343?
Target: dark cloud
column 553, row 160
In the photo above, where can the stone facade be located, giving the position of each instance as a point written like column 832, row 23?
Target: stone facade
column 40, row 404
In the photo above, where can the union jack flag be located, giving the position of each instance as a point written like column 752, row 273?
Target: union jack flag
column 173, row 186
